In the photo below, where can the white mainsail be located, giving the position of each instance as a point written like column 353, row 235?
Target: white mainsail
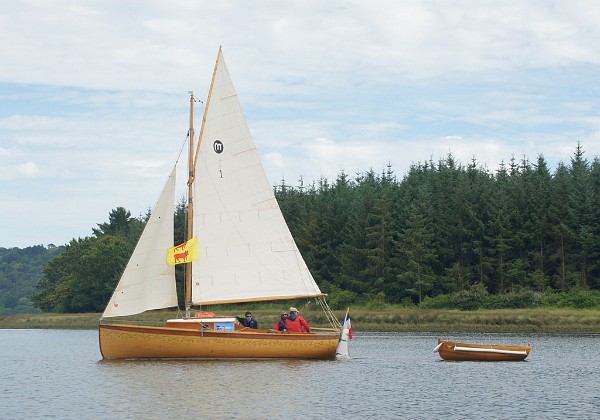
column 246, row 251
column 148, row 282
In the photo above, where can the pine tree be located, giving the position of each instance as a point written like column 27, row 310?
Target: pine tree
column 415, row 248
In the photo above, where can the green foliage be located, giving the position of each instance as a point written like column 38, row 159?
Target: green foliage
column 521, row 298
column 577, row 298
column 20, row 271
column 438, row 302
column 82, row 278
column 468, row 300
column 377, row 301
column 120, row 223
column 444, row 227
column 338, row 298
column 444, row 235
column 415, row 253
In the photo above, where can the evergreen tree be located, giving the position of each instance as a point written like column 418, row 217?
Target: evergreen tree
column 540, row 196
column 561, row 233
column 593, row 248
column 354, row 261
column 417, row 277
column 120, row 223
column 500, row 227
column 580, row 218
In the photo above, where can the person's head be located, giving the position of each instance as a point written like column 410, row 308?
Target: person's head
column 284, row 315
column 249, row 315
column 293, row 310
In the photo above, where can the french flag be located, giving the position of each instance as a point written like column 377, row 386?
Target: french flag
column 348, row 325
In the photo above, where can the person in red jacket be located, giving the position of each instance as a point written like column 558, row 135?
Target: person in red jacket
column 281, row 325
column 295, row 323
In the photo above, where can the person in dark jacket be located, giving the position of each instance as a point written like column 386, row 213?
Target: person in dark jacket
column 280, row 325
column 295, row 323
column 248, row 321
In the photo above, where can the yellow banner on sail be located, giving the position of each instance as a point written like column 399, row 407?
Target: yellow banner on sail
column 181, row 254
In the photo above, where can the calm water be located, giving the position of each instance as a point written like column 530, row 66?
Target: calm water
column 59, row 373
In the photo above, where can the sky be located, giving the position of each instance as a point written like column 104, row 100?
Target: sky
column 94, row 94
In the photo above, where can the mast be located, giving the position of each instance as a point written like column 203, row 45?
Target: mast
column 193, row 157
column 190, row 213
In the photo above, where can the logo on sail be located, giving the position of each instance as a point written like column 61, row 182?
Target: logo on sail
column 218, row 146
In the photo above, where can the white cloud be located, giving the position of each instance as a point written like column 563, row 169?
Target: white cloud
column 29, row 170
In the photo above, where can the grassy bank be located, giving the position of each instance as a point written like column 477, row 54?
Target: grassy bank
column 401, row 320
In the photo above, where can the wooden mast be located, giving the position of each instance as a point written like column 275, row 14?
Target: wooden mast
column 190, row 214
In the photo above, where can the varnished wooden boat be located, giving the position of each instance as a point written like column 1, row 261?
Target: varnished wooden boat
column 450, row 350
column 238, row 249
column 121, row 341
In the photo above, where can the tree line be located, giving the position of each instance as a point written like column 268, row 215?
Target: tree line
column 83, row 277
column 441, row 230
column 20, row 271
column 445, row 228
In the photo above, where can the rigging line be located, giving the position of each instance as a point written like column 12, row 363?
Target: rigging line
column 333, row 321
column 187, row 136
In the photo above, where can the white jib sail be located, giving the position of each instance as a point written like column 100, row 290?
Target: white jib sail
column 148, row 282
column 246, row 251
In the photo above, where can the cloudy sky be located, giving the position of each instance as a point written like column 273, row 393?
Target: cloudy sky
column 94, row 94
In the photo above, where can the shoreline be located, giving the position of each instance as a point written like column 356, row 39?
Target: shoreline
column 547, row 320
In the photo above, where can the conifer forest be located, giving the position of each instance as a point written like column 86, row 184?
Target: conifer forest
column 445, row 227
column 442, row 229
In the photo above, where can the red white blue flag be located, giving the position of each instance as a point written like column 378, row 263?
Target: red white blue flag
column 347, row 325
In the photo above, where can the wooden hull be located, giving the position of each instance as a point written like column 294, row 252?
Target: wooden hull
column 119, row 341
column 450, row 350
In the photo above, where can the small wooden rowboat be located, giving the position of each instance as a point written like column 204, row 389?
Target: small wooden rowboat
column 450, row 350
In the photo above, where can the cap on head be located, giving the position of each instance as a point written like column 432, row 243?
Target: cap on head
column 292, row 309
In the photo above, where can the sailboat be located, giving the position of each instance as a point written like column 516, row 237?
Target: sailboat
column 246, row 253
